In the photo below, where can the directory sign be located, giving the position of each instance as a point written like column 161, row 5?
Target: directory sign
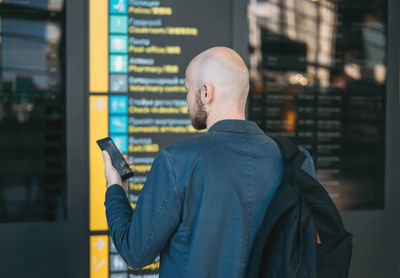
column 138, row 53
column 318, row 75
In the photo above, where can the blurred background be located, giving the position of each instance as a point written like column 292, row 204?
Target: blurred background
column 323, row 72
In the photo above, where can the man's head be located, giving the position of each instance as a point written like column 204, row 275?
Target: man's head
column 217, row 81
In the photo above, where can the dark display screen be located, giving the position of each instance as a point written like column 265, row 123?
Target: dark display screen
column 318, row 75
column 32, row 114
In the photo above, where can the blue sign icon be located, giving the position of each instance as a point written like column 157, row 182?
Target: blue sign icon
column 118, row 44
column 118, row 6
column 119, row 24
column 118, row 124
column 119, row 63
column 121, row 141
column 118, row 105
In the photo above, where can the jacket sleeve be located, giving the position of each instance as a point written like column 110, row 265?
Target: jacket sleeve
column 140, row 235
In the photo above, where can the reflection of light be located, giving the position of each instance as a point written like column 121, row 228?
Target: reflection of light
column 323, row 76
column 327, row 14
column 22, row 111
column 293, row 79
column 298, row 79
column 324, row 59
column 291, row 121
column 304, row 82
column 353, row 71
column 310, row 11
column 53, row 32
column 310, row 22
column 118, row 142
column 311, row 73
column 380, row 73
column 55, row 5
column 290, row 17
column 265, row 10
column 258, row 87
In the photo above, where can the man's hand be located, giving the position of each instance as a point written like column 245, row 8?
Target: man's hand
column 112, row 175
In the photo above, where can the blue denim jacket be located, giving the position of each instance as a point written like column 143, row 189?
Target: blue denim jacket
column 202, row 203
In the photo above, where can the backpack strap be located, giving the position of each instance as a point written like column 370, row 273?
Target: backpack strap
column 272, row 239
column 292, row 157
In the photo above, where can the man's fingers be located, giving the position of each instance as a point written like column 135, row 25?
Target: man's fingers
column 107, row 159
column 124, row 155
column 128, row 161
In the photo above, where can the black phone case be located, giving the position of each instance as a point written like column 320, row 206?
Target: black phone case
column 117, row 160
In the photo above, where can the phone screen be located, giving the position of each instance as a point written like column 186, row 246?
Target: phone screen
column 117, row 159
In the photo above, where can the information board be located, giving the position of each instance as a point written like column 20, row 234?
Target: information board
column 138, row 53
column 318, row 75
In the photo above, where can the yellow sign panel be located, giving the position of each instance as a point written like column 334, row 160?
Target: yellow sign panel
column 98, row 46
column 99, row 256
column 98, row 129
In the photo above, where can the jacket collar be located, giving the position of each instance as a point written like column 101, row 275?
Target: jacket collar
column 240, row 126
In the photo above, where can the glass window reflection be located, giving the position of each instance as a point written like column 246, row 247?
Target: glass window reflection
column 318, row 75
column 32, row 112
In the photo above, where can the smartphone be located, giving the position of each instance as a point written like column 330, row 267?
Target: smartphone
column 117, row 160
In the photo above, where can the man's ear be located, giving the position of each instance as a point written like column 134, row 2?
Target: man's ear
column 207, row 93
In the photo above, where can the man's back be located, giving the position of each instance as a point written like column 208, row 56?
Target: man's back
column 228, row 176
column 220, row 186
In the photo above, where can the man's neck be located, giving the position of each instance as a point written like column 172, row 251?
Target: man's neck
column 211, row 120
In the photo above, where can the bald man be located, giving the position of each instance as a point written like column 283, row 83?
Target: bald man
column 217, row 81
column 205, row 197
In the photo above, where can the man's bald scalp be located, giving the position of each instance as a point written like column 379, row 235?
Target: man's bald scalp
column 224, row 69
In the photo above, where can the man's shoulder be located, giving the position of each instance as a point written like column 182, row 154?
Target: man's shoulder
column 185, row 152
column 188, row 144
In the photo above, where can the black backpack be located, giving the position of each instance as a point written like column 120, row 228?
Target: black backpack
column 302, row 234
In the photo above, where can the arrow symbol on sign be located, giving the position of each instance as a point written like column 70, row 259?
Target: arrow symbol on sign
column 100, row 104
column 98, row 265
column 100, row 244
column 101, row 263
